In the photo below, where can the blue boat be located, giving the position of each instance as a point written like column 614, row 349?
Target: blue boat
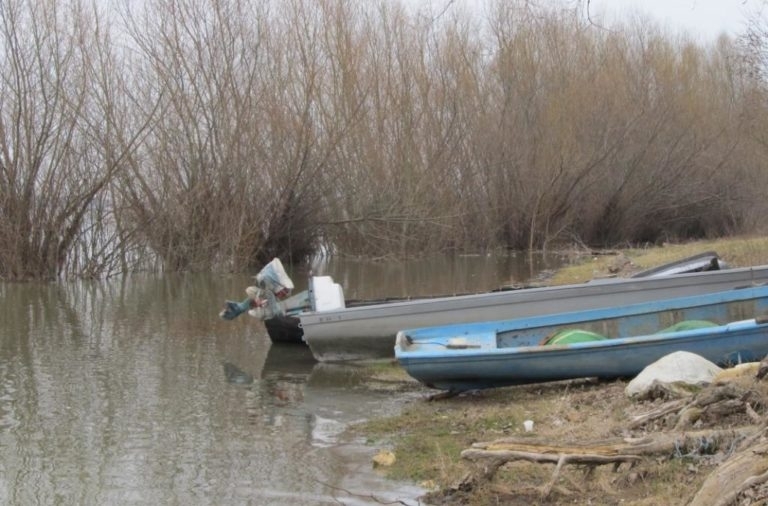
column 727, row 328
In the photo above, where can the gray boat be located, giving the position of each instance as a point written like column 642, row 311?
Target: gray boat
column 707, row 261
column 339, row 333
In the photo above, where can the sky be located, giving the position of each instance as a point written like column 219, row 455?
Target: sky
column 705, row 19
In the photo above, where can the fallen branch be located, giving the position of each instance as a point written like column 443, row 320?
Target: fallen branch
column 718, row 402
column 493, row 459
column 488, row 457
column 662, row 411
column 734, row 477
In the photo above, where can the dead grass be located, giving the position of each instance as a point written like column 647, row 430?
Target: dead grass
column 428, row 437
column 737, row 252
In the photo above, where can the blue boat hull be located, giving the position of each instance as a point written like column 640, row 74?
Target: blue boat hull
column 503, row 353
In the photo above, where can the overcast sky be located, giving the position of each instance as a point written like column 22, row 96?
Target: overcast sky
column 704, row 18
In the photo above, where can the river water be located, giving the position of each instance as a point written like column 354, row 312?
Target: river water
column 133, row 391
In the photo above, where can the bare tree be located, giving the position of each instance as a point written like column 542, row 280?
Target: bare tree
column 57, row 154
column 216, row 134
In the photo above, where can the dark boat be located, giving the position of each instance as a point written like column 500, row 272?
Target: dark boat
column 284, row 329
column 702, row 262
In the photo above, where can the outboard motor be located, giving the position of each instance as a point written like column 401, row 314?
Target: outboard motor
column 272, row 286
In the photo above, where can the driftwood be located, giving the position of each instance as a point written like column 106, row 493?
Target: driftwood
column 740, row 473
column 660, row 412
column 716, row 403
column 490, row 456
column 743, row 475
column 747, row 466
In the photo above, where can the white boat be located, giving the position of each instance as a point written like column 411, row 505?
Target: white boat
column 340, row 333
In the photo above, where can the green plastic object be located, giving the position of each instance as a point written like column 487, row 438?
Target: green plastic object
column 687, row 325
column 570, row 336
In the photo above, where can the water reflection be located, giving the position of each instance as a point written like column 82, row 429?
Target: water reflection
column 134, row 392
column 287, row 360
column 235, row 375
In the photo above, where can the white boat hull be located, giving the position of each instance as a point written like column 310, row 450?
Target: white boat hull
column 368, row 332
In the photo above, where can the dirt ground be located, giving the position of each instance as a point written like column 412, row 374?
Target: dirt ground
column 430, row 438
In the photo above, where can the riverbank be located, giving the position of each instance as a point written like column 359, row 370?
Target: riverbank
column 427, row 437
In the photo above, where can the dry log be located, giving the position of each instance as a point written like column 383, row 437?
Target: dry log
column 718, row 393
column 490, row 456
column 762, row 370
column 652, row 444
column 663, row 410
column 724, row 408
column 752, row 413
column 717, row 410
column 738, row 474
column 719, row 401
column 493, row 459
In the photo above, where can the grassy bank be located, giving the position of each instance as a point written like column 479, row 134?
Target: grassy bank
column 427, row 437
column 737, row 252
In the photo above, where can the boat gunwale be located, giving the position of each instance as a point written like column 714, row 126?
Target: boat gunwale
column 587, row 315
column 309, row 319
column 715, row 332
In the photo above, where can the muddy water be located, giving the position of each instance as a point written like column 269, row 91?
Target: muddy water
column 134, row 392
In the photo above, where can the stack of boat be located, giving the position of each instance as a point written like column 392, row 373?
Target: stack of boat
column 603, row 328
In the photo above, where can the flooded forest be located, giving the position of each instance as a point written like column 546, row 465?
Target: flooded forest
column 213, row 135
